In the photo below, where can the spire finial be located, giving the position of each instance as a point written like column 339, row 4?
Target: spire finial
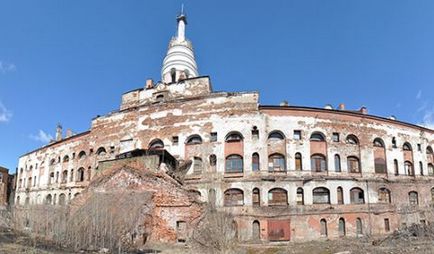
column 182, row 21
column 182, row 9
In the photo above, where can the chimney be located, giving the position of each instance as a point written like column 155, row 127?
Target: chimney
column 149, row 84
column 364, row 110
column 68, row 133
column 341, row 106
column 284, row 103
column 58, row 132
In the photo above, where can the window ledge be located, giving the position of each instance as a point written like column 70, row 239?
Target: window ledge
column 231, row 175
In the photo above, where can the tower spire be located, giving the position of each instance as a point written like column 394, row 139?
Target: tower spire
column 182, row 21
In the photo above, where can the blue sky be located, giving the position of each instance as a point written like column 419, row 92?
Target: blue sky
column 68, row 61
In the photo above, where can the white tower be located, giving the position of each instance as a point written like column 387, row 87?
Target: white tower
column 179, row 62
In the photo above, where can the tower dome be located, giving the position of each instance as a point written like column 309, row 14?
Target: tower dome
column 179, row 62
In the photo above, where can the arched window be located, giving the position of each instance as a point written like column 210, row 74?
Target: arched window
column 340, row 194
column 323, row 230
column 52, row 162
column 234, row 197
column 321, row 195
column 80, row 175
column 353, row 164
column 101, row 151
column 159, row 98
column 81, row 155
column 194, row 140
column 62, row 199
column 255, row 162
column 173, row 75
column 276, row 136
column 298, row 162
column 156, row 144
column 430, row 169
column 71, row 175
column 317, row 136
column 197, row 165
column 277, row 197
column 48, row 199
column 18, row 200
column 409, row 168
column 65, row 158
column 413, row 198
column 256, row 231
column 318, row 163
column 64, row 176
column 357, row 196
column 256, row 197
column 276, row 163
column 234, row 164
column 352, row 140
column 378, row 142
column 420, row 168
column 406, row 147
column 396, row 167
column 342, row 230
column 300, row 196
column 337, row 163
column 234, row 137
column 359, row 226
column 384, row 195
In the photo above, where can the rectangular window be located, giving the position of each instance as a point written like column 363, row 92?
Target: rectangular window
column 255, row 133
column 335, row 137
column 181, row 231
column 297, row 135
column 175, row 140
column 386, row 225
column 419, row 147
column 213, row 136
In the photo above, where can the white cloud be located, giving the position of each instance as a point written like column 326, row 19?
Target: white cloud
column 419, row 95
column 7, row 67
column 42, row 137
column 5, row 114
column 428, row 119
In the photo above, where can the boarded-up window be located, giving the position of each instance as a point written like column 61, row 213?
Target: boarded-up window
column 279, row 230
column 300, row 196
column 256, row 231
column 340, row 194
column 353, row 164
column 276, row 163
column 323, row 229
column 234, row 197
column 256, row 198
column 380, row 165
column 298, row 162
column 383, row 195
column 413, row 198
column 342, row 230
column 197, row 165
column 359, row 226
column 321, row 196
column 357, row 196
column 318, row 163
column 277, row 197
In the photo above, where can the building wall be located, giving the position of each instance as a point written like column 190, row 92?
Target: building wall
column 191, row 108
column 4, row 177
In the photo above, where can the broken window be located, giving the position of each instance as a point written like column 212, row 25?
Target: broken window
column 340, row 194
column 378, row 142
column 323, row 225
column 419, row 147
column 409, row 168
column 394, row 142
column 255, row 162
column 396, row 167
column 197, row 165
column 384, row 195
column 233, row 197
column 80, row 175
column 256, row 198
column 430, row 169
column 66, row 158
column 298, row 162
column 335, row 137
column 317, row 136
column 81, row 155
column 357, row 196
column 234, row 137
column 255, row 132
column 64, row 176
column 421, row 168
column 353, row 164
column 181, row 231
column 276, row 136
column 71, row 175
column 276, row 163
column 300, row 196
column 213, row 137
column 321, row 195
column 101, row 152
column 234, row 164
column 318, row 163
column 352, row 140
column 406, row 147
column 413, row 198
column 277, row 197
column 337, row 163
column 342, row 230
column 175, row 140
column 297, row 135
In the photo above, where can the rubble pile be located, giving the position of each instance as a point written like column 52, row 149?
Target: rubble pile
column 408, row 234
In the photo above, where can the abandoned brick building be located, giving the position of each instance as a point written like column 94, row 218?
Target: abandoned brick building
column 286, row 173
